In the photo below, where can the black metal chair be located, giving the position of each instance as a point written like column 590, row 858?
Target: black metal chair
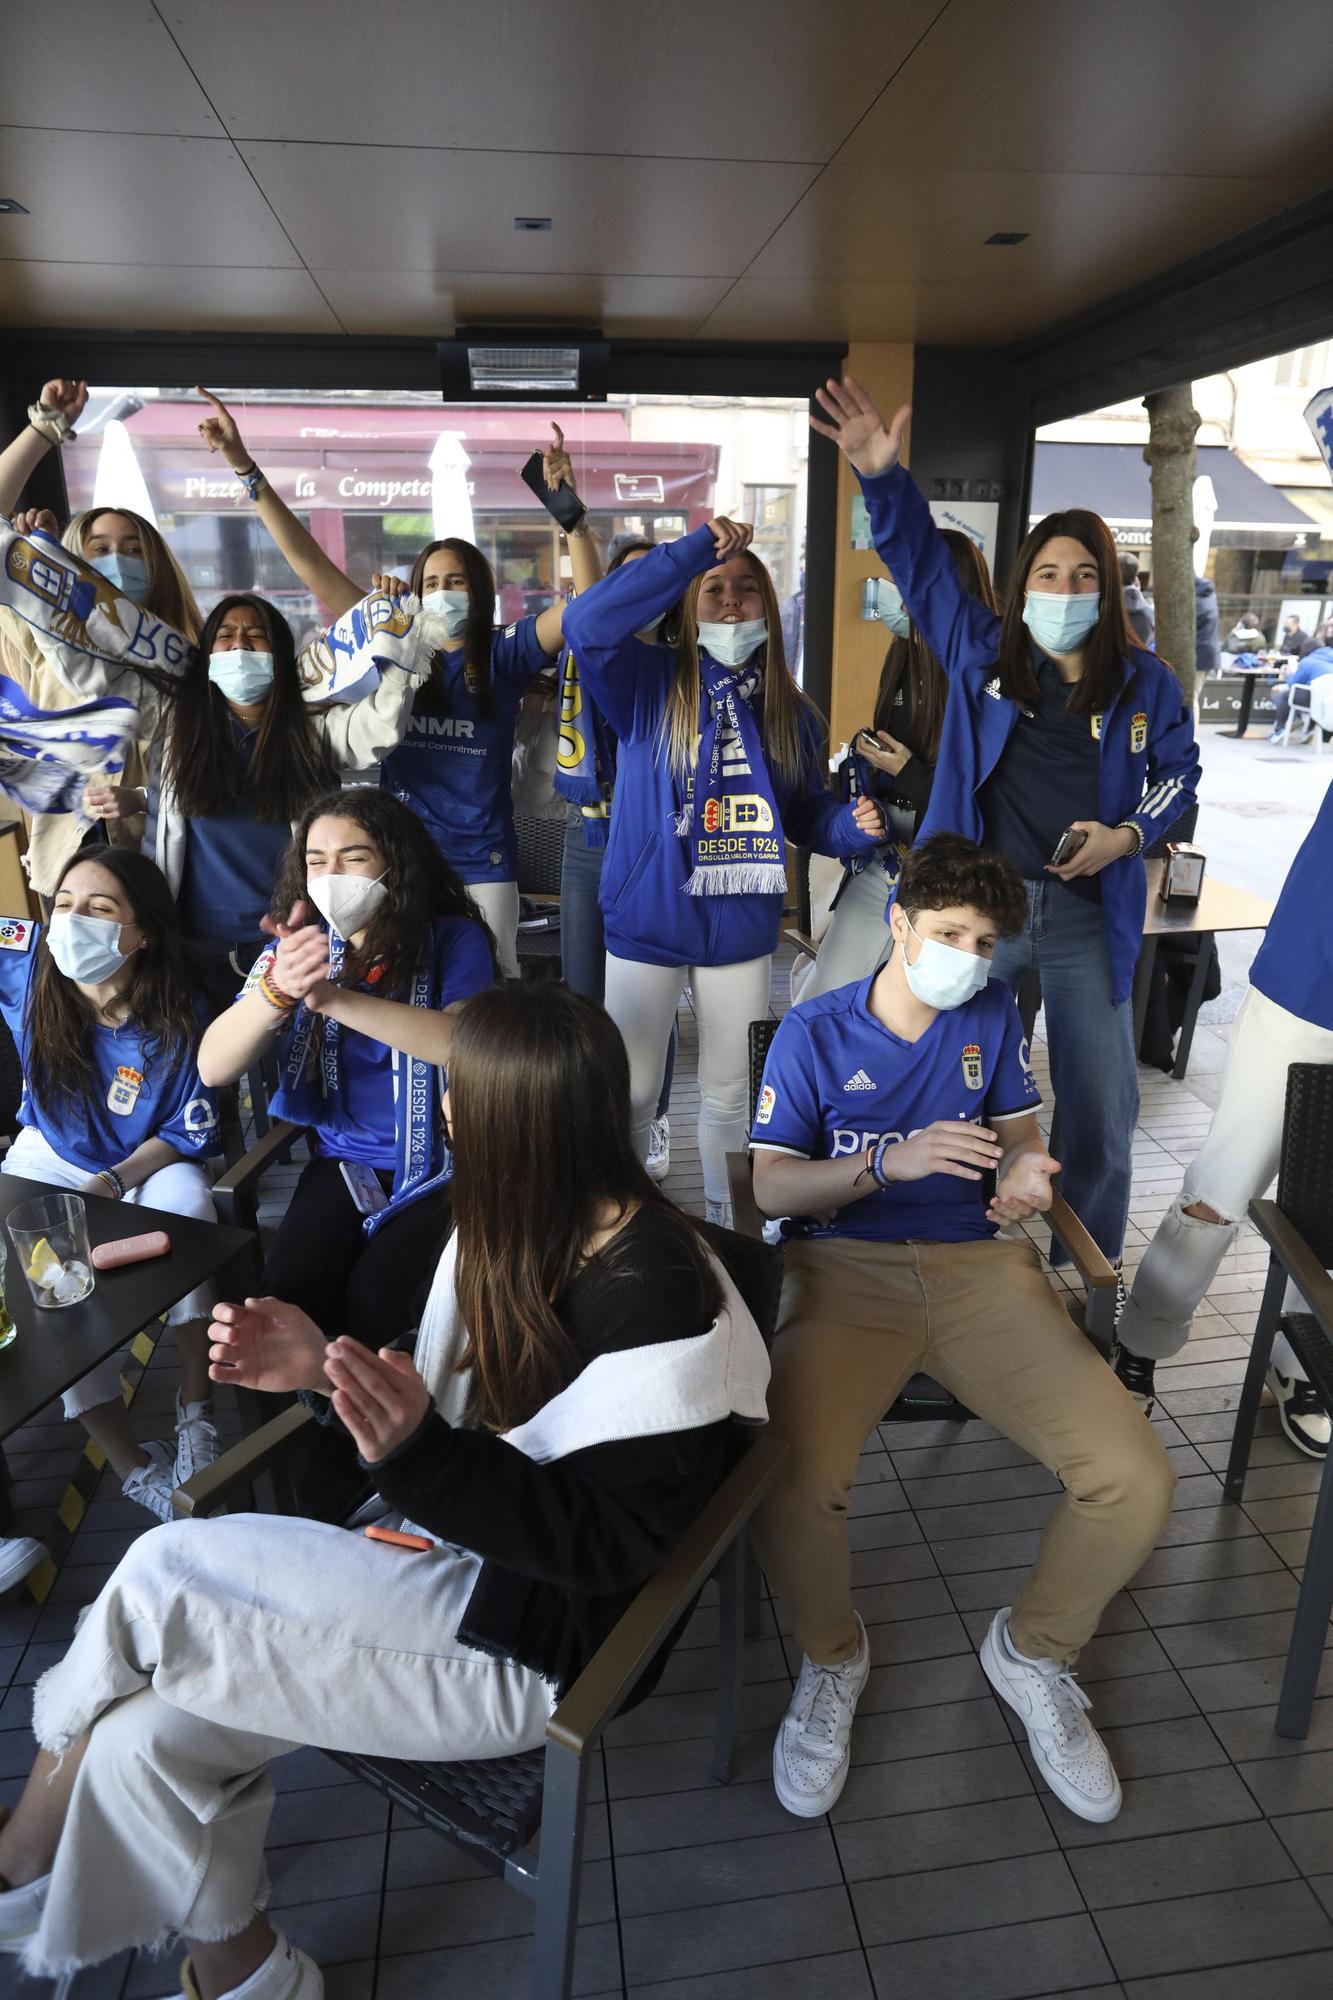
column 1298, row 1229
column 522, row 1817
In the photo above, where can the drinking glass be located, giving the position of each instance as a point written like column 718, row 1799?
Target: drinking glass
column 50, row 1237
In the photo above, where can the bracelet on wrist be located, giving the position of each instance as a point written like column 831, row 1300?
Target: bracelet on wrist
column 53, row 425
column 268, row 987
column 113, row 1181
column 1131, row 826
column 876, row 1160
column 252, row 481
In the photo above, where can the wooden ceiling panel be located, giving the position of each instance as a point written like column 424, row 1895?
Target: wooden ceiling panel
column 134, row 200
column 81, row 66
column 162, row 298
column 878, row 309
column 433, row 303
column 758, row 80
column 374, row 208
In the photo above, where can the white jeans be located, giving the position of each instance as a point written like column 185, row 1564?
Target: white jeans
column 1236, row 1162
column 642, row 1001
column 857, row 939
column 498, row 903
column 180, row 1189
column 215, row 1647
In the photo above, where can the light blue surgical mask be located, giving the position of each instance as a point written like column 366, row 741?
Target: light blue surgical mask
column 452, row 606
column 85, row 948
column 732, row 645
column 941, row 975
column 127, row 574
column 1060, row 624
column 890, row 609
column 244, row 677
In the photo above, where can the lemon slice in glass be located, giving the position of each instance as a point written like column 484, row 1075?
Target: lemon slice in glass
column 44, row 1267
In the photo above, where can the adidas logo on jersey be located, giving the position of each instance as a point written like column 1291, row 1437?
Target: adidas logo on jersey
column 992, row 688
column 860, row 1082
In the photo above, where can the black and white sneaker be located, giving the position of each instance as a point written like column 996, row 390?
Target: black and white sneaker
column 1134, row 1372
column 1301, row 1413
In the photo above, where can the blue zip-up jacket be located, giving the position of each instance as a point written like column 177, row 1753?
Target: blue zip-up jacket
column 648, row 915
column 1149, row 761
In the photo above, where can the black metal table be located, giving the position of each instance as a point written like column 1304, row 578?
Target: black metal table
column 1247, row 677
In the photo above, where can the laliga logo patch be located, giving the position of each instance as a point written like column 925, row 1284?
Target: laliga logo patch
column 15, row 934
column 745, row 813
column 768, row 1097
column 972, row 1076
column 1138, row 733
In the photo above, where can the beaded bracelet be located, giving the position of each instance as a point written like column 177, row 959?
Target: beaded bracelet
column 113, row 1181
column 251, row 480
column 1131, row 826
column 282, row 1002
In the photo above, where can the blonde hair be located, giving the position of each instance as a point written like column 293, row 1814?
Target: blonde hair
column 784, row 701
column 169, row 592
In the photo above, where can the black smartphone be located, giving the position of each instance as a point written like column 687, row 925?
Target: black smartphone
column 564, row 505
column 1067, row 846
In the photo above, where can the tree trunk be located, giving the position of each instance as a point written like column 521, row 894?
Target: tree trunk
column 1173, row 422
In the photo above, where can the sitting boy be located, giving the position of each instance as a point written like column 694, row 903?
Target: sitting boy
column 884, row 1105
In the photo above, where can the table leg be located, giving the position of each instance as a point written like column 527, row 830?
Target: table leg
column 1246, row 704
column 1193, row 1002
column 8, row 1519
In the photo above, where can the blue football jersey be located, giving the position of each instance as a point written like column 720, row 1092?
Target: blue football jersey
column 837, row 1080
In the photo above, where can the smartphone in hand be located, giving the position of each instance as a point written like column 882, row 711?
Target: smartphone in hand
column 559, row 501
column 1067, row 846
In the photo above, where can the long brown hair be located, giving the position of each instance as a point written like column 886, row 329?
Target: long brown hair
column 911, row 661
column 539, row 1111
column 290, row 763
column 477, row 633
column 160, row 998
column 784, row 701
column 1103, row 675
column 169, row 594
column 421, row 884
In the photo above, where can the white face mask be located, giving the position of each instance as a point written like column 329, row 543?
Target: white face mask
column 942, row 975
column 86, row 949
column 346, row 902
column 732, row 645
column 1060, row 624
column 450, row 605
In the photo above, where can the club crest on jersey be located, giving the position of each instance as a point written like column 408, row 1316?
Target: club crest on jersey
column 768, row 1097
column 972, row 1075
column 15, row 934
column 124, row 1092
column 1138, row 733
column 743, row 812
column 1095, row 724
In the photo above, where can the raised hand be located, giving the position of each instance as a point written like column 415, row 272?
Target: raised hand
column 266, row 1344
column 1025, row 1190
column 557, row 465
column 301, row 962
column 29, row 518
column 220, row 433
column 857, row 428
column 388, row 585
column 70, row 398
column 380, row 1397
column 731, row 538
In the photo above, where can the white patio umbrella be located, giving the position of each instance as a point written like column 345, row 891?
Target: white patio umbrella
column 119, row 480
column 450, row 501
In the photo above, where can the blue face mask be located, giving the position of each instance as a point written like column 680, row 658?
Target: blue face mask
column 1060, row 624
column 732, row 645
column 452, row 606
column 127, row 574
column 85, row 948
column 941, row 975
column 243, row 677
column 890, row 609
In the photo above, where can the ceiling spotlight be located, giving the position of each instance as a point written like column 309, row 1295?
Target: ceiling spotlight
column 1006, row 238
column 8, row 206
column 534, row 222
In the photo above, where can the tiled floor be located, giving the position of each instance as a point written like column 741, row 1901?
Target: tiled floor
column 946, row 1870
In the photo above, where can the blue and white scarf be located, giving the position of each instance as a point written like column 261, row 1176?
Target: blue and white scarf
column 47, row 756
column 731, row 818
column 311, row 1086
column 585, row 764
column 379, row 631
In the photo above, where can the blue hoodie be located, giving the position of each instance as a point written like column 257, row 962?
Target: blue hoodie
column 648, row 915
column 1149, row 763
column 1293, row 966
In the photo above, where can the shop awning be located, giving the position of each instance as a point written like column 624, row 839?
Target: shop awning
column 1113, row 480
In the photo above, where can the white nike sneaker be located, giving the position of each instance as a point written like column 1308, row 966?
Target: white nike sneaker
column 153, row 1484
column 196, row 1439
column 286, row 1974
column 1301, row 1413
column 1066, row 1748
column 811, row 1754
column 20, row 1555
column 659, row 1149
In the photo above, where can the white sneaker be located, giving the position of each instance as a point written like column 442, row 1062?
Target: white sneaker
column 811, row 1756
column 196, row 1439
column 20, row 1555
column 1066, row 1748
column 286, row 1974
column 1301, row 1413
column 659, row 1149
column 152, row 1484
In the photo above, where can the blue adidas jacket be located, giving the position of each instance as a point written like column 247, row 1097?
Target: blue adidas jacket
column 648, row 915
column 1149, row 761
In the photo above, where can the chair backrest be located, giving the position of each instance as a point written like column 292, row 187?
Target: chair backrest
column 1179, row 829
column 541, row 852
column 761, row 1041
column 1305, row 1170
column 801, row 868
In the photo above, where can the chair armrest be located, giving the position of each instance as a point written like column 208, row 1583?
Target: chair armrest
column 1097, row 1273
column 802, row 941
column 208, row 1489
column 1297, row 1259
column 595, row 1698
column 241, row 1179
column 745, row 1216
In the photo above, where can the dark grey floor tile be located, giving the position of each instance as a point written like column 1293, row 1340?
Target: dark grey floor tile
column 1201, row 1561
column 327, row 1812
column 1291, row 1784
column 1206, row 1524
column 839, row 1976
column 1323, row 1888
column 1140, row 1698
column 1000, row 1517
column 1246, row 1683
column 321, row 1868
column 985, row 1589
column 876, row 1496
column 350, row 1982
column 1006, row 1964
column 688, row 1878
column 917, row 1639
column 906, row 1564
column 760, row 1931
column 696, row 1667
column 987, row 1552
column 1290, row 1546
column 1145, row 1749
column 1216, row 1598
column 305, row 1770
column 957, row 1677
column 924, row 1732
column 682, row 1819
column 882, row 1531
column 418, row 1856
column 647, row 1768
column 497, row 1970
column 1020, row 1889
column 1115, row 1655
column 950, row 1488
column 1218, row 1642
column 1170, row 1804
column 915, row 1784
column 1308, row 1838
column 948, row 1460
column 1292, row 1473
column 1188, row 1933
column 1203, row 1860
column 1273, row 1517
column 677, row 1718
column 951, row 1837
column 1304, row 1978
column 437, row 1917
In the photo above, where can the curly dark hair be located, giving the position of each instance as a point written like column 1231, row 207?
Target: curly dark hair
column 949, row 872
column 421, row 884
column 160, row 998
